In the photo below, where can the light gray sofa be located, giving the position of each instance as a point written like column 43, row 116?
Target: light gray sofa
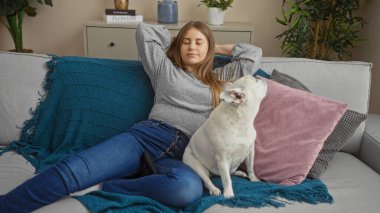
column 352, row 177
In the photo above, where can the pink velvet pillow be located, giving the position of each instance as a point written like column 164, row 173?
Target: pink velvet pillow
column 291, row 126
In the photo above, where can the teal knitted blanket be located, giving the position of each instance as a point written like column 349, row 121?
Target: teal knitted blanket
column 247, row 194
column 86, row 101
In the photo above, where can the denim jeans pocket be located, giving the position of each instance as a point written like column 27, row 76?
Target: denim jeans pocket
column 177, row 147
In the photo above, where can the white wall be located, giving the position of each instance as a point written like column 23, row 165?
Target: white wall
column 58, row 29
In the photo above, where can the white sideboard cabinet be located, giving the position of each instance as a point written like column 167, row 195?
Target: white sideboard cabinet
column 117, row 41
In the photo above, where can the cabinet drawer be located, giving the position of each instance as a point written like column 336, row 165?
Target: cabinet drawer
column 106, row 42
column 231, row 37
column 102, row 40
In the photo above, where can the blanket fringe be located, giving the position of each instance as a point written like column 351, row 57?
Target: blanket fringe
column 247, row 194
column 23, row 145
column 261, row 194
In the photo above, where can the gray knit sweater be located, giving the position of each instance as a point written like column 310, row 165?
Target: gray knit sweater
column 181, row 100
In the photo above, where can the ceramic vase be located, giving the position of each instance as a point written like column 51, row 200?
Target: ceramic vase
column 167, row 11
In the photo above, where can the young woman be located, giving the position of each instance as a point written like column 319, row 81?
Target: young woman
column 186, row 90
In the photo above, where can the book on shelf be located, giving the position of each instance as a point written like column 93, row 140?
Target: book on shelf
column 116, row 12
column 123, row 19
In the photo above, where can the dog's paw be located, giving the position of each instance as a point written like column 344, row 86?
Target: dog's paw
column 215, row 191
column 241, row 174
column 228, row 194
column 253, row 177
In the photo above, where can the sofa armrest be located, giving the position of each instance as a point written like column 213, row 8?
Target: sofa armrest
column 370, row 148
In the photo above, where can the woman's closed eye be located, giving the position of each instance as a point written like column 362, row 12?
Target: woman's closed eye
column 197, row 41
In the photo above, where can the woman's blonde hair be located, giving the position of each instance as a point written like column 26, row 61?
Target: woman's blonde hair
column 204, row 70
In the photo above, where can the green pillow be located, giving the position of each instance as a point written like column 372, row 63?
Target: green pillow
column 342, row 132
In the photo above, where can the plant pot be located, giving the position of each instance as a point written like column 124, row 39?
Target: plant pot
column 216, row 16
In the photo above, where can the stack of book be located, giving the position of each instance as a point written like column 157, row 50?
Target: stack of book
column 114, row 16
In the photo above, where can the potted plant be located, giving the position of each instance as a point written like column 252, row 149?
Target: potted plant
column 12, row 14
column 318, row 29
column 216, row 10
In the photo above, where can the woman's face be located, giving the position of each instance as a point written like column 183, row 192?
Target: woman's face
column 194, row 49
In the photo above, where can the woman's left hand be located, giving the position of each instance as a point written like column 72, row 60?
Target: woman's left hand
column 224, row 49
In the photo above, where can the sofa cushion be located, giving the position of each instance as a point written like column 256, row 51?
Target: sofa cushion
column 291, row 126
column 347, row 82
column 354, row 186
column 14, row 170
column 21, row 77
column 342, row 132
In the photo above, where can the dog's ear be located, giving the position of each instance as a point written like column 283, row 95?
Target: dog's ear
column 233, row 95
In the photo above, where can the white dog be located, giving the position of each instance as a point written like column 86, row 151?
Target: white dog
column 226, row 138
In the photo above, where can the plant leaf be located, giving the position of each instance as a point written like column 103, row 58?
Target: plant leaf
column 283, row 22
column 295, row 23
column 49, row 2
column 337, row 28
column 31, row 11
column 8, row 7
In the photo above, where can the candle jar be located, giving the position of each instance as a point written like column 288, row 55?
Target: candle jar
column 121, row 4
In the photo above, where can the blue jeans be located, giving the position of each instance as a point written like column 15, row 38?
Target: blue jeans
column 111, row 163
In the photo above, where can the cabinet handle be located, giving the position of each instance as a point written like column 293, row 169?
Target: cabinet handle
column 111, row 44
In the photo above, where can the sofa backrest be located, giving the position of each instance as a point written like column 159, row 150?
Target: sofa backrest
column 347, row 82
column 21, row 77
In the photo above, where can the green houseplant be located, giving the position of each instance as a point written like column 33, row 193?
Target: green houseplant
column 216, row 10
column 320, row 29
column 12, row 14
column 222, row 4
